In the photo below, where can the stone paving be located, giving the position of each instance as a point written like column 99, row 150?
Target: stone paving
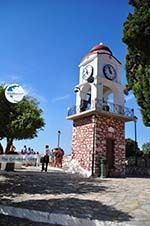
column 108, row 201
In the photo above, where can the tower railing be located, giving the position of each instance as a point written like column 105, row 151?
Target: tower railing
column 101, row 106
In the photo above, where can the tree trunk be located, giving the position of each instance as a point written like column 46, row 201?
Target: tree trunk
column 9, row 145
column 1, row 152
column 9, row 166
column 1, row 149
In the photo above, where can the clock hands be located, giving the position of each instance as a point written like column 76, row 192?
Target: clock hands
column 87, row 72
column 110, row 71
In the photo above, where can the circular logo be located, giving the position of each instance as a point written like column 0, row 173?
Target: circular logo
column 14, row 93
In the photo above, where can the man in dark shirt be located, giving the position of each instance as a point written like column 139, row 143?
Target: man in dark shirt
column 45, row 160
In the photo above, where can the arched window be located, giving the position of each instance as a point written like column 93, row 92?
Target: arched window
column 85, row 95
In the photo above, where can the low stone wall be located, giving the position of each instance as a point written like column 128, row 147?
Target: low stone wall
column 137, row 171
column 141, row 170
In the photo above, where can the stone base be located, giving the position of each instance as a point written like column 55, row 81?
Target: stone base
column 98, row 137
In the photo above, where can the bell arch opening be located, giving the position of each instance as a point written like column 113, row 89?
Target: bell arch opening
column 85, row 95
column 111, row 100
column 108, row 98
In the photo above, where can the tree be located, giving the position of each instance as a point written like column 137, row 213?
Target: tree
column 19, row 121
column 136, row 34
column 146, row 147
column 130, row 147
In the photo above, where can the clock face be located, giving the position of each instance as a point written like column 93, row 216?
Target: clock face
column 109, row 72
column 87, row 72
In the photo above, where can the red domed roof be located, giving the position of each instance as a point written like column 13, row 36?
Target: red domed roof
column 100, row 47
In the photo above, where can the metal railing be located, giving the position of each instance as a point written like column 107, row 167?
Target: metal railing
column 102, row 106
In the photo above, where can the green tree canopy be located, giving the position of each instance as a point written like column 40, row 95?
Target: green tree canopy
column 136, row 35
column 146, row 147
column 130, row 147
column 19, row 121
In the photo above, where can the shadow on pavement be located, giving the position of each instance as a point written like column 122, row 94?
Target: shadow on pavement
column 79, row 208
column 47, row 183
column 54, row 183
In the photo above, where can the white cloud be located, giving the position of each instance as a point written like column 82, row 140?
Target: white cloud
column 33, row 93
column 11, row 78
column 15, row 78
column 61, row 98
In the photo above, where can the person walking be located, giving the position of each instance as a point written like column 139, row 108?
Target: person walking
column 58, row 157
column 38, row 157
column 45, row 159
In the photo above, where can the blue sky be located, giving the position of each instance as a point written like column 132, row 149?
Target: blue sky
column 41, row 45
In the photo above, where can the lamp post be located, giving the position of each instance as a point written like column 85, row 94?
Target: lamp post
column 135, row 139
column 58, row 138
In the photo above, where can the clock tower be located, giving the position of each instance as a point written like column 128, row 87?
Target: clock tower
column 99, row 115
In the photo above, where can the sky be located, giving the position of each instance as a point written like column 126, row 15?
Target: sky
column 41, row 45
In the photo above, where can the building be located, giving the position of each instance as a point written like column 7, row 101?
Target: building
column 99, row 115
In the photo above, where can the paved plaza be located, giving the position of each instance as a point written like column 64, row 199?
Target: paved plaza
column 31, row 197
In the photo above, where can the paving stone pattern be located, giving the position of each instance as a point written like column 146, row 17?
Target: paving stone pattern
column 117, row 201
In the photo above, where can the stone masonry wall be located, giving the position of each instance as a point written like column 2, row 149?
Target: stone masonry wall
column 82, row 142
column 87, row 129
column 110, row 128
